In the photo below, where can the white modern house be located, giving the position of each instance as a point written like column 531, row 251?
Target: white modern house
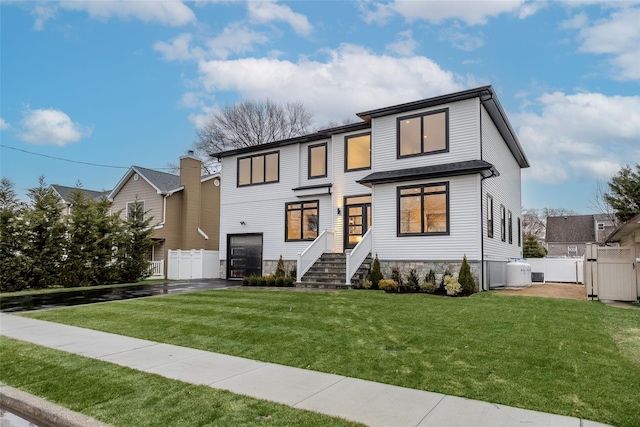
column 420, row 185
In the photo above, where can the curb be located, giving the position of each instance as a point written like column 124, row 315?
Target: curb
column 42, row 412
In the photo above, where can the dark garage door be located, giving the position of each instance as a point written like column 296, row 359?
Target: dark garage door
column 244, row 255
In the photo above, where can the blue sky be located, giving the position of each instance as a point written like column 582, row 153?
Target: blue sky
column 123, row 83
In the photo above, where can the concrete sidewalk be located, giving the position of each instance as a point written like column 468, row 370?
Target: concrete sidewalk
column 362, row 401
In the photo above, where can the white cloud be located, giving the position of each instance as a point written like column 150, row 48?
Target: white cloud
column 178, row 50
column 617, row 36
column 51, row 127
column 4, row 125
column 266, row 11
column 166, row 12
column 472, row 12
column 460, row 40
column 405, row 45
column 235, row 38
column 585, row 135
column 352, row 79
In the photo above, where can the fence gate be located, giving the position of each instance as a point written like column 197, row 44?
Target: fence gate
column 609, row 273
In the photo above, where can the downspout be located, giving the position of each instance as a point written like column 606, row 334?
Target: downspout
column 164, row 209
column 482, row 275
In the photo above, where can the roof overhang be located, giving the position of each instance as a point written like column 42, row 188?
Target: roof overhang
column 625, row 229
column 132, row 170
column 482, row 167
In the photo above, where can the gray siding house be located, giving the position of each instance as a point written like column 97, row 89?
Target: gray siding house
column 420, row 185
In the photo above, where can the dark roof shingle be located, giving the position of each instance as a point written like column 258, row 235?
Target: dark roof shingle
column 570, row 229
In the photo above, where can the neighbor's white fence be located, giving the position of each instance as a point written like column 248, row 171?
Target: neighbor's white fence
column 570, row 270
column 193, row 264
column 156, row 270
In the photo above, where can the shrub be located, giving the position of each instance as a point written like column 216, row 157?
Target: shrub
column 465, row 278
column 447, row 273
column 253, row 280
column 430, row 277
column 288, row 282
column 367, row 284
column 412, row 284
column 293, row 273
column 280, row 268
column 270, row 280
column 375, row 275
column 388, row 285
column 452, row 286
column 428, row 287
column 397, row 277
column 279, row 281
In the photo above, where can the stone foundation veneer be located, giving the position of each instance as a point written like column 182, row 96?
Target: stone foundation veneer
column 423, row 267
column 268, row 267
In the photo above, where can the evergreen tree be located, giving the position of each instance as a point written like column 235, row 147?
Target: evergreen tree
column 14, row 265
column 375, row 275
column 135, row 245
column 465, row 278
column 532, row 249
column 624, row 197
column 280, row 268
column 45, row 238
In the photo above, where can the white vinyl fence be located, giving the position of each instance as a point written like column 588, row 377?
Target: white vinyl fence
column 193, row 264
column 569, row 270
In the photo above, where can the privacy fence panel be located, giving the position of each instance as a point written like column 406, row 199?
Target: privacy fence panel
column 193, row 264
column 610, row 273
column 569, row 270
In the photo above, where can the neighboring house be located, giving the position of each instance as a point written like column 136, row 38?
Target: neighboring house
column 567, row 236
column 420, row 184
column 184, row 209
column 65, row 196
column 628, row 236
column 605, row 224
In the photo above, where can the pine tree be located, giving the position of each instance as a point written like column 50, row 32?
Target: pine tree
column 280, row 268
column 532, row 249
column 624, row 197
column 465, row 278
column 135, row 246
column 375, row 275
column 14, row 265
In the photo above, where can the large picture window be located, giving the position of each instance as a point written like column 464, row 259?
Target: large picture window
column 302, row 221
column 357, row 152
column 318, row 161
column 259, row 169
column 426, row 133
column 423, row 209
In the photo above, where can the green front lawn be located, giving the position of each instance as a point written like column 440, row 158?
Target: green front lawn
column 575, row 358
column 125, row 397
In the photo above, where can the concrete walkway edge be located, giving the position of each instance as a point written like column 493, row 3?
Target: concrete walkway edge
column 367, row 402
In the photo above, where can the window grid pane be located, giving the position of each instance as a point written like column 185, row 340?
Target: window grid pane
column 434, row 132
column 358, row 152
column 318, row 161
column 244, row 172
column 410, row 136
column 424, row 212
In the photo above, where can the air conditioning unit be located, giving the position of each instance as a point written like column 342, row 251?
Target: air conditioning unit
column 537, row 277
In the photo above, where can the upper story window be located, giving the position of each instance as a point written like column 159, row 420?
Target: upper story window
column 503, row 223
column 357, row 152
column 302, row 221
column 425, row 133
column 423, row 209
column 601, row 226
column 572, row 251
column 318, row 160
column 135, row 210
column 259, row 169
column 519, row 232
column 489, row 216
column 510, row 222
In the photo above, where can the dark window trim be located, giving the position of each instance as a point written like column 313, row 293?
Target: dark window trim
column 519, row 232
column 422, row 187
column 251, row 169
column 422, row 152
column 510, row 226
column 491, row 221
column 286, row 222
column 326, row 163
column 346, row 152
column 503, row 223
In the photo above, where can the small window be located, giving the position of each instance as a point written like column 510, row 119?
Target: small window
column 423, row 209
column 572, row 250
column 301, row 221
column 601, row 226
column 135, row 210
column 357, row 152
column 519, row 232
column 318, row 161
column 503, row 224
column 489, row 216
column 510, row 224
column 426, row 133
column 258, row 169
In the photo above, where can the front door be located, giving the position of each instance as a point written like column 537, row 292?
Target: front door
column 357, row 212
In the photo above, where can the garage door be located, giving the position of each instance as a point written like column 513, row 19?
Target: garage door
column 244, row 255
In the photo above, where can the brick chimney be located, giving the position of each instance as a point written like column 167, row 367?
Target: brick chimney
column 190, row 167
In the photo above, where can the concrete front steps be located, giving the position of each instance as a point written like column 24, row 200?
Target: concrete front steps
column 329, row 272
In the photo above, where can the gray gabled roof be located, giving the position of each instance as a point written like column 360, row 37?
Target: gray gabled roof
column 570, row 229
column 165, row 182
column 428, row 172
column 65, row 192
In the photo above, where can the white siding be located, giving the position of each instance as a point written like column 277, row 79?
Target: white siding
column 464, row 224
column 505, row 189
column 464, row 141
